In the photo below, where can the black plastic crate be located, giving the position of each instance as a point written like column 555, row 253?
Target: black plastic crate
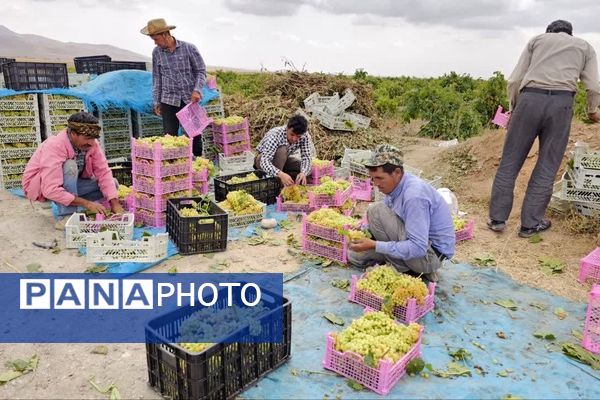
column 104, row 66
column 4, row 60
column 34, row 75
column 221, row 371
column 121, row 171
column 89, row 64
column 194, row 235
column 265, row 189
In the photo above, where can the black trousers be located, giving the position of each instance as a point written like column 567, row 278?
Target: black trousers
column 171, row 125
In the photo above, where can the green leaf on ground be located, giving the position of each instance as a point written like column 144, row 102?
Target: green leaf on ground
column 485, row 261
column 172, row 270
column 334, row 319
column 504, row 373
column 460, row 354
column 285, row 224
column 415, row 366
column 539, row 306
column 477, row 344
column 341, row 283
column 34, row 267
column 579, row 354
column 577, row 334
column 9, row 376
column 102, row 350
column 536, row 238
column 560, row 313
column 544, row 335
column 454, row 369
column 551, row 265
column 96, row 269
column 507, row 304
column 355, row 385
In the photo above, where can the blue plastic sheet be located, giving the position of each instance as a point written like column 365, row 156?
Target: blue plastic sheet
column 465, row 316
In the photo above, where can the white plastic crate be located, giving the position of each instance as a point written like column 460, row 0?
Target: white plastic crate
column 215, row 109
column 57, row 110
column 359, row 120
column 109, row 247
column 22, row 102
column 337, row 106
column 587, row 160
column 238, row 163
column 317, row 102
column 586, row 178
column 587, row 209
column 148, row 125
column 242, row 221
column 78, row 227
column 572, row 193
column 353, row 155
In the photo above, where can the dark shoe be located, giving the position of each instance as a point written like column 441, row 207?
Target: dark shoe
column 496, row 226
column 541, row 227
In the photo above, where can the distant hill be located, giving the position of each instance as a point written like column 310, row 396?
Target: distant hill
column 35, row 47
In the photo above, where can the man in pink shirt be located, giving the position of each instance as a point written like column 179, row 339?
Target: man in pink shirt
column 71, row 170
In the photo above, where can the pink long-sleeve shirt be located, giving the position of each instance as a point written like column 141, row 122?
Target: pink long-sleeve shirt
column 43, row 176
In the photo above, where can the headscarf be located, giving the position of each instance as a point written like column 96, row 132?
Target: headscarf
column 86, row 129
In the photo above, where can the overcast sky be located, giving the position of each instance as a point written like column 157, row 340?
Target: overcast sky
column 384, row 37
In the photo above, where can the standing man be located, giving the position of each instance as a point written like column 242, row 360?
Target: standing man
column 276, row 148
column 412, row 228
column 178, row 75
column 71, row 170
column 541, row 90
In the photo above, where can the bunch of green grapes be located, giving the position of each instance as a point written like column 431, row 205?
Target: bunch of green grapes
column 295, row 194
column 386, row 282
column 320, row 163
column 17, row 145
column 241, row 203
column 201, row 163
column 229, row 121
column 124, row 191
column 325, row 242
column 13, row 161
column 195, row 347
column 459, row 223
column 166, row 141
column 18, row 129
column 379, row 337
column 242, row 179
column 331, row 218
column 330, row 187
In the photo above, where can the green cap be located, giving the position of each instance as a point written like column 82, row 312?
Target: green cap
column 386, row 154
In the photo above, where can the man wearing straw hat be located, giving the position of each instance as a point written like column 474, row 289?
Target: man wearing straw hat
column 540, row 91
column 71, row 170
column 178, row 75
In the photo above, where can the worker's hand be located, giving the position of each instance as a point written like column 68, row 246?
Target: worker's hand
column 157, row 109
column 286, row 180
column 301, row 179
column 95, row 208
column 362, row 245
column 116, row 207
column 595, row 116
column 196, row 96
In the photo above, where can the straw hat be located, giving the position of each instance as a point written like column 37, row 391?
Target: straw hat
column 156, row 26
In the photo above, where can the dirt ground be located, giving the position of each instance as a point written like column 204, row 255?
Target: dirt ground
column 65, row 369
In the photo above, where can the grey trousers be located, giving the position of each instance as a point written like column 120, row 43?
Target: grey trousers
column 547, row 117
column 386, row 226
column 289, row 164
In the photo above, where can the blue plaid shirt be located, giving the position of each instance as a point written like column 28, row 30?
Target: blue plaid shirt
column 176, row 75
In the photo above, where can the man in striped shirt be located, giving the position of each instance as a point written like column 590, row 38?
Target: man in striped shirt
column 276, row 148
column 178, row 75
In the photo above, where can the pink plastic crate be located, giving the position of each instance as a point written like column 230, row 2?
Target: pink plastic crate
column 151, row 218
column 466, row 233
column 158, row 187
column 406, row 314
column 194, row 119
column 361, row 189
column 352, row 365
column 229, row 149
column 144, row 167
column 591, row 329
column 200, row 176
column 202, row 187
column 152, row 203
column 157, row 152
column 128, row 203
column 234, row 137
column 292, row 207
column 589, row 268
column 336, row 200
column 318, row 172
column 224, row 129
column 500, row 118
column 331, row 252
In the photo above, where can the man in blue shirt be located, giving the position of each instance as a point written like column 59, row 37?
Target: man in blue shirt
column 412, row 228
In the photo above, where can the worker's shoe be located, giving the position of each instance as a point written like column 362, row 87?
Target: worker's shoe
column 496, row 226
column 60, row 224
column 541, row 227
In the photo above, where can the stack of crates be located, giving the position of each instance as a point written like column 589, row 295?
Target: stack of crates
column 215, row 107
column 231, row 139
column 158, row 174
column 56, row 111
column 148, row 125
column 20, row 134
column 116, row 132
column 581, row 185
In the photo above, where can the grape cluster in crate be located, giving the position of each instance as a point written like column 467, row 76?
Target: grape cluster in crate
column 57, row 110
column 116, row 132
column 161, row 168
column 20, row 134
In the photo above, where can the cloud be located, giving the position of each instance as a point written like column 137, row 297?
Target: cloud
column 498, row 15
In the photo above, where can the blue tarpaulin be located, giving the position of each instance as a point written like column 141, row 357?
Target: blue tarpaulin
column 465, row 317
